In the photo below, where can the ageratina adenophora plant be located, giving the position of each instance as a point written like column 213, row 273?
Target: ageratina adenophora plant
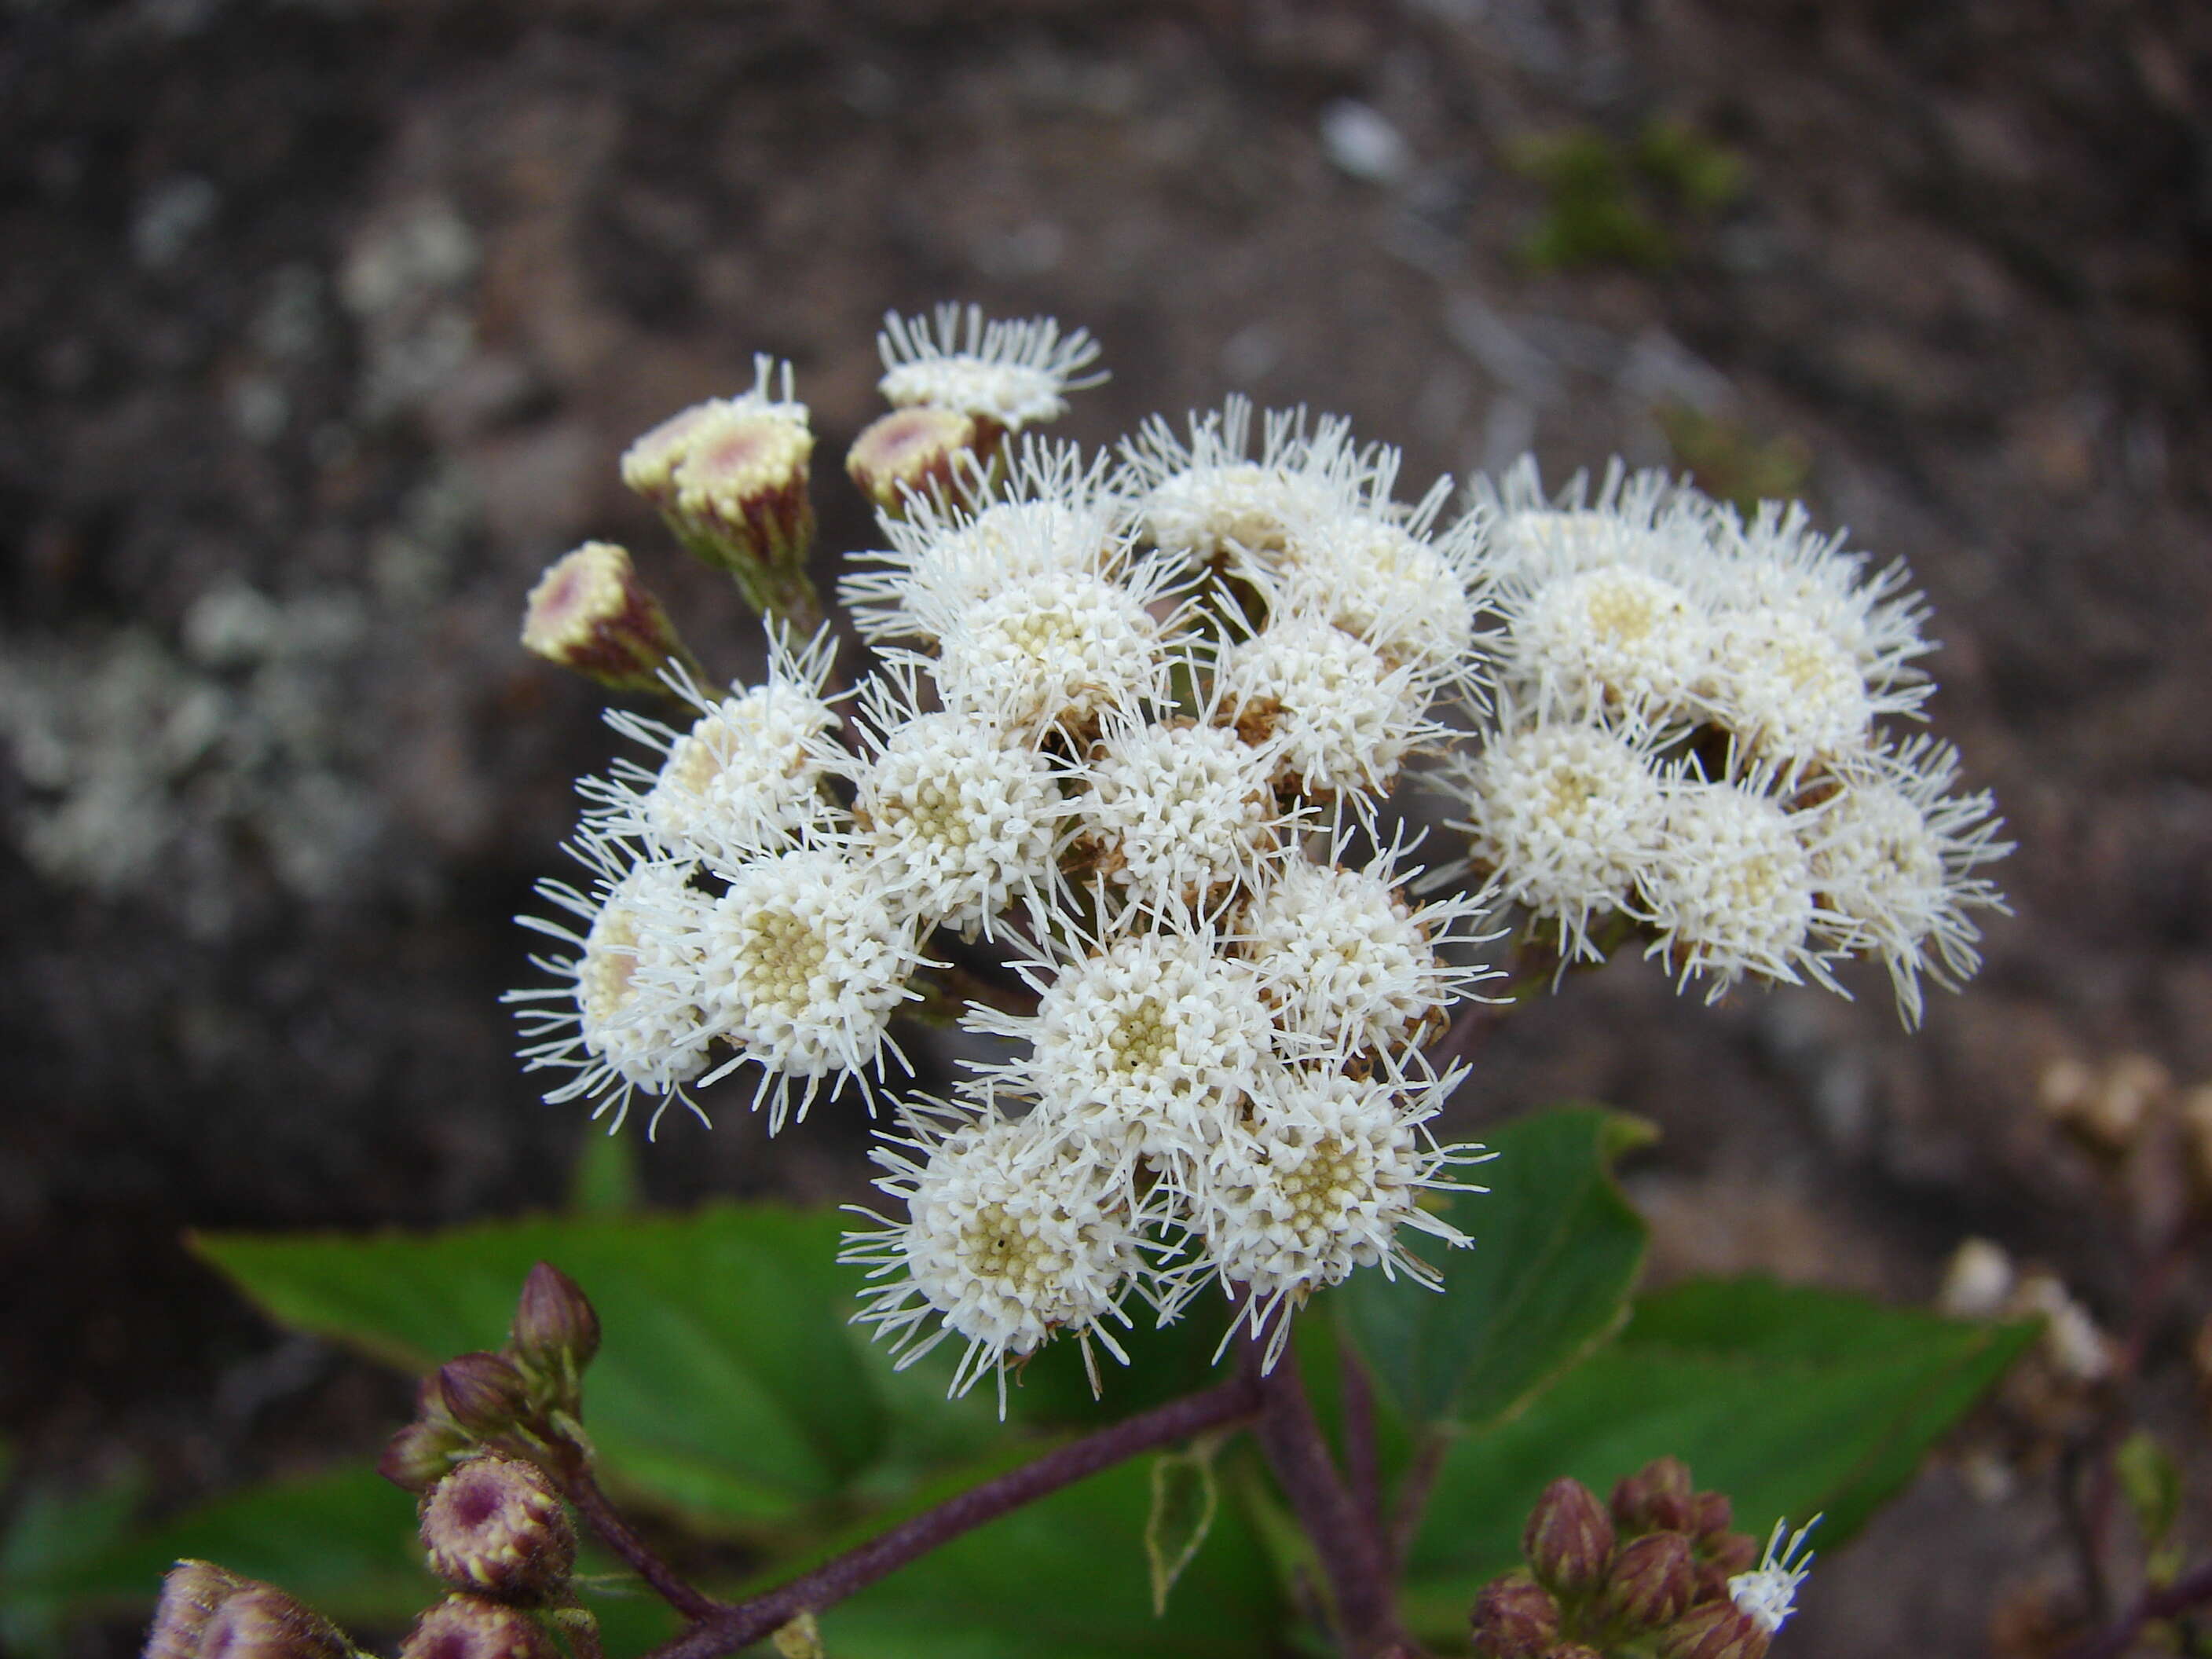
column 1220, row 787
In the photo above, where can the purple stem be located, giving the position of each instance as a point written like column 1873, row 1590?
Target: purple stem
column 2176, row 1598
column 725, row 1628
column 617, row 1534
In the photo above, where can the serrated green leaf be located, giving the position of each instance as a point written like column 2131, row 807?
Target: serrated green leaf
column 1791, row 1400
column 1067, row 1577
column 1185, row 1497
column 1556, row 1250
column 727, row 1385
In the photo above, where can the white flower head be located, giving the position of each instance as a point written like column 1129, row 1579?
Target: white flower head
column 631, row 1015
column 1632, row 520
column 1342, row 718
column 954, row 820
column 1731, row 890
column 748, row 774
column 1787, row 692
column 1152, row 1044
column 1012, row 373
column 768, row 419
column 1565, row 816
column 1781, row 563
column 1319, row 1180
column 1767, row 1595
column 1611, row 636
column 1015, row 1231
column 1053, row 651
column 1176, row 809
column 1345, row 957
column 1206, row 499
column 806, row 963
column 1048, row 514
column 1894, row 854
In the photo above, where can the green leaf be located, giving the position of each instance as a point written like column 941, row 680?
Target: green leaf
column 1185, row 1499
column 55, row 1538
column 1556, row 1250
column 1791, row 1400
column 1067, row 1577
column 605, row 1179
column 728, row 1383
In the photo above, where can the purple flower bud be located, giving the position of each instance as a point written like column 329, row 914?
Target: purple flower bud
column 1655, row 1498
column 481, row 1394
column 1718, row 1631
column 556, row 1330
column 1651, row 1582
column 1733, row 1551
column 1569, row 1540
column 469, row 1627
column 916, row 451
column 189, row 1595
column 1711, row 1516
column 259, row 1621
column 497, row 1527
column 590, row 613
column 1514, row 1618
column 420, row 1453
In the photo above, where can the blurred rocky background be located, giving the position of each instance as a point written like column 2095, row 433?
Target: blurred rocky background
column 322, row 325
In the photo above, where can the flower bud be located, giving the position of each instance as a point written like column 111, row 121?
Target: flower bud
column 497, row 1526
column 1719, row 1629
column 1569, row 1540
column 1514, row 1618
column 190, row 1594
column 1651, row 1582
column 556, row 1330
column 915, row 452
column 419, row 1454
column 1711, row 1516
column 1655, row 1498
column 590, row 614
column 259, row 1621
column 1733, row 1551
column 470, row 1628
column 481, row 1394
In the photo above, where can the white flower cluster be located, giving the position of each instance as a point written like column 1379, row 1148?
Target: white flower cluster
column 1136, row 721
column 1689, row 749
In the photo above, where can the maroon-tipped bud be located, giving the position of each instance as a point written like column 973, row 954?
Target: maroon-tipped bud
column 259, row 1621
column 591, row 615
column 1732, row 1551
column 481, row 1394
column 1514, row 1618
column 915, row 452
column 556, row 1330
column 415, row 1457
column 497, row 1527
column 1719, row 1629
column 190, row 1594
column 1568, row 1540
column 1652, row 1581
column 1712, row 1514
column 470, row 1628
column 1655, row 1498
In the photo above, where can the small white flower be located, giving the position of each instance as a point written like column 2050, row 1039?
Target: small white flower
column 1015, row 1231
column 1612, row 636
column 1151, row 1045
column 654, row 464
column 1048, row 516
column 1051, row 652
column 1318, row 1181
column 1731, row 890
column 1894, row 854
column 1345, row 955
column 631, row 1017
column 1012, row 373
column 1205, row 499
column 806, row 963
column 1788, row 693
column 1780, row 562
column 1566, row 817
column 954, row 820
column 1634, row 519
column 747, row 776
column 1767, row 1594
column 1177, row 810
column 1343, row 719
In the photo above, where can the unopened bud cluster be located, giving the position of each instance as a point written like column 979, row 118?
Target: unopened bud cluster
column 208, row 1612
column 1658, row 1570
column 1137, row 721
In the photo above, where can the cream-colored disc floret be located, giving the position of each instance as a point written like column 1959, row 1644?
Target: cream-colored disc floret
column 1731, row 892
column 1613, row 637
column 1175, row 810
column 1343, row 719
column 1404, row 593
column 1785, row 687
column 1051, row 651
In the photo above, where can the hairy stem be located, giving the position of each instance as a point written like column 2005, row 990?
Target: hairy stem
column 724, row 1628
column 583, row 1493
